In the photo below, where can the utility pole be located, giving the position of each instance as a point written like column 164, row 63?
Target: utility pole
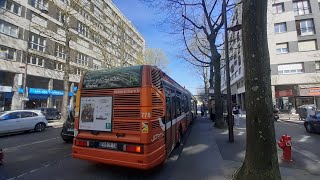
column 226, row 50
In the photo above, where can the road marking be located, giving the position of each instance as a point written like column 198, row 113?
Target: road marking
column 37, row 142
column 34, row 170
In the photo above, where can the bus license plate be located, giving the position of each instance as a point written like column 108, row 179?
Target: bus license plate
column 108, row 145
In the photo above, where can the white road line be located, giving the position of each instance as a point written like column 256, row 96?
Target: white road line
column 37, row 142
column 34, row 170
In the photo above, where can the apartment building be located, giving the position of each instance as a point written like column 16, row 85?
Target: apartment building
column 33, row 36
column 294, row 47
column 236, row 61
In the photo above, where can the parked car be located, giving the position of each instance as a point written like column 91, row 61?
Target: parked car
column 50, row 113
column 67, row 132
column 312, row 123
column 1, row 157
column 306, row 111
column 22, row 120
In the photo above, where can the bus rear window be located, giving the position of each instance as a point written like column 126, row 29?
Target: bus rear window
column 126, row 77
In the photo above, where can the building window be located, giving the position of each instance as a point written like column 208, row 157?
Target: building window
column 7, row 53
column 318, row 66
column 84, row 14
column 58, row 66
column 61, row 17
column 82, row 59
column 309, row 45
column 37, row 42
column 36, row 61
column 66, row 2
column 60, row 51
column 239, row 60
column 305, row 27
column 282, row 48
column 96, row 66
column 301, row 7
column 97, row 12
column 280, row 27
column 78, row 71
column 39, row 4
column 290, row 68
column 82, row 29
column 96, row 38
column 278, row 8
column 9, row 29
column 11, row 6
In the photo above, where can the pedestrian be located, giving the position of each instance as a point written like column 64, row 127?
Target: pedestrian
column 236, row 114
column 202, row 109
column 240, row 112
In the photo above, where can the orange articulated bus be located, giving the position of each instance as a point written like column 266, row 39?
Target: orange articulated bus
column 131, row 116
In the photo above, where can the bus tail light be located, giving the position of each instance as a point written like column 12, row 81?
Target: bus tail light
column 132, row 148
column 82, row 143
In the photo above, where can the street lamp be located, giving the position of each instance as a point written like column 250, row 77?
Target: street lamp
column 226, row 50
column 25, row 67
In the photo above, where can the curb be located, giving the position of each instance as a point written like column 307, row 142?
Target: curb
column 291, row 122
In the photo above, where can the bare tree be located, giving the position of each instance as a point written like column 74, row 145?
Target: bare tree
column 199, row 20
column 156, row 57
column 68, row 34
column 261, row 160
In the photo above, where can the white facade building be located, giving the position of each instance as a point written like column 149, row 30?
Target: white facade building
column 32, row 32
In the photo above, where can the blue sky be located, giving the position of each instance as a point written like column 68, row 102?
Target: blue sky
column 145, row 20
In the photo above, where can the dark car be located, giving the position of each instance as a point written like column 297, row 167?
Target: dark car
column 312, row 123
column 68, row 128
column 50, row 113
column 1, row 157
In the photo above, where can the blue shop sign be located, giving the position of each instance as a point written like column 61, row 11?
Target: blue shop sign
column 36, row 91
column 56, row 93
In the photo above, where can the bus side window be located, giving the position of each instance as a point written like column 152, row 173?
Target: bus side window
column 178, row 105
column 168, row 107
column 174, row 105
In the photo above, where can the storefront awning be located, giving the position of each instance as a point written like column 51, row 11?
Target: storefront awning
column 36, row 91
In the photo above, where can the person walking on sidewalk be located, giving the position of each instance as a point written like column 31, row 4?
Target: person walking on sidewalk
column 236, row 113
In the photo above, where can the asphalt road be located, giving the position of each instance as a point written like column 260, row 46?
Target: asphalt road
column 45, row 156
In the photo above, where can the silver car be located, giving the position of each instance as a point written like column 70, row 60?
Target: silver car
column 22, row 120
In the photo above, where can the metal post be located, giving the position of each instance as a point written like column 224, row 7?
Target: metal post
column 226, row 50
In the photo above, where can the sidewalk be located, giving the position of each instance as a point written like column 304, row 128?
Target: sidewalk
column 294, row 118
column 207, row 154
column 55, row 123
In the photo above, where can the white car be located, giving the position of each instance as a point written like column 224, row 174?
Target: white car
column 22, row 120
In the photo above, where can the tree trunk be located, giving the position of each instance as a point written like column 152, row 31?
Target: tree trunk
column 64, row 108
column 219, row 121
column 261, row 160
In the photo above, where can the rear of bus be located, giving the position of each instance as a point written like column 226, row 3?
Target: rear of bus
column 117, row 117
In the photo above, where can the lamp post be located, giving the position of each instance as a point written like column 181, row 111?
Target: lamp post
column 226, row 50
column 25, row 67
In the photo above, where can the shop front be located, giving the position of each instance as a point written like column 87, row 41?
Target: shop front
column 37, row 98
column 285, row 97
column 4, row 92
column 309, row 95
column 291, row 97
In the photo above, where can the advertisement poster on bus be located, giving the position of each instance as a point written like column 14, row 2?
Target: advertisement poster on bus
column 96, row 113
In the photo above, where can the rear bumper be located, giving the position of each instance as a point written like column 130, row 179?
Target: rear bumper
column 119, row 158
